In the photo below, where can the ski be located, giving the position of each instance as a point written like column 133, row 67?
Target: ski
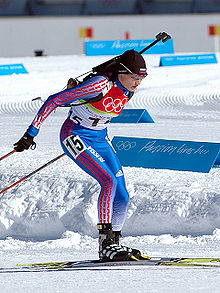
column 118, row 265
column 154, row 261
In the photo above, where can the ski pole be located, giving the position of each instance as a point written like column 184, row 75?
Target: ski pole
column 5, row 156
column 32, row 173
column 159, row 37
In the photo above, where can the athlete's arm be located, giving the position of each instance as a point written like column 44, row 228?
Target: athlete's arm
column 87, row 90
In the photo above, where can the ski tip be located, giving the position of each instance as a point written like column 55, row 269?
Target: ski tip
column 134, row 258
column 142, row 257
column 145, row 257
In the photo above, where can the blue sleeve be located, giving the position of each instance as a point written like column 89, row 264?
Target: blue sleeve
column 86, row 90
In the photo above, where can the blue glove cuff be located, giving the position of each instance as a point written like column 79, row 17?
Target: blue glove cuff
column 33, row 131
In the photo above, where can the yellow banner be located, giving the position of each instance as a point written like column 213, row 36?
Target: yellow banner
column 82, row 32
column 217, row 30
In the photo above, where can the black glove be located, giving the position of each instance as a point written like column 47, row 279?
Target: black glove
column 24, row 143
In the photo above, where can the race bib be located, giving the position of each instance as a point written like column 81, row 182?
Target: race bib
column 75, row 145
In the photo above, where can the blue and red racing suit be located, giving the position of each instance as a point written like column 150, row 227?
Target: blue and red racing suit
column 84, row 139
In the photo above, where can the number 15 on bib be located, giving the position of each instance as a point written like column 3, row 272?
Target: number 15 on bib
column 74, row 145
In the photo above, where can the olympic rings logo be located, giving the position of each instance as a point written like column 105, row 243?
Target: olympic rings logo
column 125, row 145
column 116, row 105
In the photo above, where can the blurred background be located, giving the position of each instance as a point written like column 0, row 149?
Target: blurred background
column 60, row 27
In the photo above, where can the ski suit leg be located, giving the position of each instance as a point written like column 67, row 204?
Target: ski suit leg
column 121, row 199
column 98, row 159
column 79, row 144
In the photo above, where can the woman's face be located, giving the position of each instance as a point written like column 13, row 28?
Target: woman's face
column 129, row 82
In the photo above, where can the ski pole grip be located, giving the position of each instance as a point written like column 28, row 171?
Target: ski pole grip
column 163, row 36
column 166, row 38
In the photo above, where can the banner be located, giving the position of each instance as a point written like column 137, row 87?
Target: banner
column 217, row 161
column 9, row 69
column 188, row 59
column 133, row 116
column 214, row 30
column 95, row 48
column 166, row 154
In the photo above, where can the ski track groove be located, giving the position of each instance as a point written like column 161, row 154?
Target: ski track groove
column 141, row 100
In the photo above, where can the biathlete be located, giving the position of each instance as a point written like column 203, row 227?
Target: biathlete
column 83, row 136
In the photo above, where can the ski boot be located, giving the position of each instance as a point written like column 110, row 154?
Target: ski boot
column 109, row 247
column 135, row 252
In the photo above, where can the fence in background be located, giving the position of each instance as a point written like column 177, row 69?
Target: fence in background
column 106, row 7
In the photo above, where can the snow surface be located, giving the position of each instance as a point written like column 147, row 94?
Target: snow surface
column 52, row 215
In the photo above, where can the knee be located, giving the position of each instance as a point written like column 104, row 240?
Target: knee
column 123, row 194
column 122, row 190
column 109, row 182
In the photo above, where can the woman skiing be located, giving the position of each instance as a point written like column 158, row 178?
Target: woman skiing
column 94, row 102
